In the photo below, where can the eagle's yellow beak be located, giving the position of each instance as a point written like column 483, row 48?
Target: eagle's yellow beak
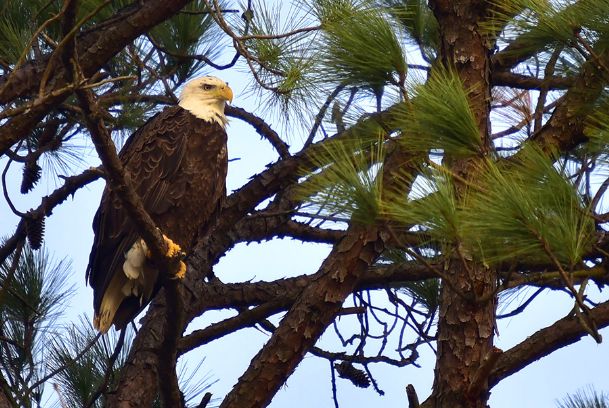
column 226, row 93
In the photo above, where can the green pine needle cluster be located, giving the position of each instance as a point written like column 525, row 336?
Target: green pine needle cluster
column 14, row 37
column 425, row 292
column 360, row 46
column 431, row 207
column 523, row 208
column 585, row 398
column 81, row 378
column 418, row 21
column 439, row 118
column 21, row 18
column 285, row 65
column 31, row 299
column 539, row 23
column 350, row 186
column 527, row 209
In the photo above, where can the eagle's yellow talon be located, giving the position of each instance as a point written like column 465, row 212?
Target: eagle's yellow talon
column 173, row 249
column 181, row 271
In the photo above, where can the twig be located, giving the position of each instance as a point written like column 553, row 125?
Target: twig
column 523, row 306
column 599, row 194
column 364, row 360
column 33, row 38
column 107, row 81
column 66, row 40
column 5, row 190
column 247, row 318
column 598, row 60
column 278, row 36
column 320, row 115
column 205, row 400
column 238, row 44
column 199, row 12
column 47, row 204
column 333, row 381
column 197, row 57
column 517, row 127
column 543, row 92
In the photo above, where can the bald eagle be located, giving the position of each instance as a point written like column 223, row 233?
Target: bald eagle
column 177, row 163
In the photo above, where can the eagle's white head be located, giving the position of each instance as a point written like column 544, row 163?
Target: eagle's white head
column 205, row 98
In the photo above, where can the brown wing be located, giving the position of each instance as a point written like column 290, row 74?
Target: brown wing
column 172, row 161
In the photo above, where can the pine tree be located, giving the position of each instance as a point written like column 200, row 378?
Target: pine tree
column 453, row 154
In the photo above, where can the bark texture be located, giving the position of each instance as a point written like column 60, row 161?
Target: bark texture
column 465, row 324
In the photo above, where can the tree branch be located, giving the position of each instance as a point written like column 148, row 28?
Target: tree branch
column 504, row 78
column 247, row 318
column 563, row 332
column 301, row 327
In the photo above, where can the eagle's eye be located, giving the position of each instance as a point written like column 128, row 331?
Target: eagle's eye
column 207, row 87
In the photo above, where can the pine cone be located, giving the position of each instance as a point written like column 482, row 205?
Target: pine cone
column 355, row 375
column 31, row 175
column 34, row 229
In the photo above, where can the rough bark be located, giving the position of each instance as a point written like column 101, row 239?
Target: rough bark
column 465, row 324
column 314, row 310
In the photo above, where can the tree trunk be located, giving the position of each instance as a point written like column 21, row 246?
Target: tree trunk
column 465, row 339
column 467, row 304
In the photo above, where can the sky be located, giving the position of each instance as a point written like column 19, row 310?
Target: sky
column 69, row 235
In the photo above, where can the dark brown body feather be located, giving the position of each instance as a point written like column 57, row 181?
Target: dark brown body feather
column 177, row 164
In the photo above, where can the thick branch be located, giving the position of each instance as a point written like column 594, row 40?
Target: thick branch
column 564, row 332
column 315, row 308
